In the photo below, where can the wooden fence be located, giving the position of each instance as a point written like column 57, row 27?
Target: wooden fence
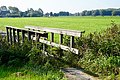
column 40, row 34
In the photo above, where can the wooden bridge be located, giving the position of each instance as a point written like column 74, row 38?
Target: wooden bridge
column 40, row 34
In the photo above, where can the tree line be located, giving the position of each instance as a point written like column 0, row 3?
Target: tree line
column 101, row 12
column 15, row 12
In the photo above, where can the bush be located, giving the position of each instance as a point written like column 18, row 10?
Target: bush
column 14, row 55
column 100, row 52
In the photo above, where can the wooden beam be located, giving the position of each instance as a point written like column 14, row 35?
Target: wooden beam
column 61, row 39
column 18, row 36
column 66, row 48
column 72, row 42
column 7, row 30
column 52, row 37
column 29, row 36
column 23, row 35
column 10, row 36
column 14, row 37
column 58, row 31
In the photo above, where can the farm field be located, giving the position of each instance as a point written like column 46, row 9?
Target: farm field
column 89, row 24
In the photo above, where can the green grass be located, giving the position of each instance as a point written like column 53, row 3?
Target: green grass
column 89, row 24
column 11, row 73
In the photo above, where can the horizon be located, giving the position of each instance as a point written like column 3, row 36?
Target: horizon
column 61, row 5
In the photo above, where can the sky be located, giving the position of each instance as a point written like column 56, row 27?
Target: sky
column 61, row 5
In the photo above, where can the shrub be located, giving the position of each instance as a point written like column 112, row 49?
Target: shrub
column 100, row 52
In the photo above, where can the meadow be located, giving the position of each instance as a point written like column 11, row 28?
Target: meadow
column 88, row 24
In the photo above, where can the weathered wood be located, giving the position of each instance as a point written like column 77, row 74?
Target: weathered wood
column 52, row 37
column 26, row 30
column 37, row 35
column 18, row 36
column 61, row 39
column 43, row 46
column 23, row 35
column 10, row 35
column 59, row 31
column 14, row 40
column 66, row 48
column 41, row 34
column 7, row 30
column 72, row 42
column 29, row 36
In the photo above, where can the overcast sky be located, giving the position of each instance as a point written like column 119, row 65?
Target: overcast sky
column 61, row 5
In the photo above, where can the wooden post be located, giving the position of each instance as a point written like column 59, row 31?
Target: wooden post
column 44, row 45
column 18, row 35
column 36, row 39
column 72, row 42
column 23, row 35
column 52, row 37
column 11, row 36
column 14, row 40
column 61, row 39
column 29, row 36
column 7, row 30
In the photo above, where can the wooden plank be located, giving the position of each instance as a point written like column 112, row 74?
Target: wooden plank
column 72, row 42
column 52, row 37
column 7, row 30
column 42, row 34
column 23, row 35
column 66, row 48
column 10, row 36
column 14, row 40
column 25, row 30
column 59, row 31
column 29, row 36
column 18, row 36
column 61, row 39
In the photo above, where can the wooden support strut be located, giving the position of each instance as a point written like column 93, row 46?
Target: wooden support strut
column 23, row 35
column 72, row 42
column 18, row 40
column 61, row 38
column 52, row 37
column 10, row 36
column 14, row 40
column 7, row 30
column 29, row 36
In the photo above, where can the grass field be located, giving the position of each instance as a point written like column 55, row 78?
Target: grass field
column 89, row 24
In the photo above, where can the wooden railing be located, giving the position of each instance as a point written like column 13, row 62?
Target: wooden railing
column 40, row 34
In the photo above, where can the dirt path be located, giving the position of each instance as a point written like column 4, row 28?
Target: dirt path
column 77, row 74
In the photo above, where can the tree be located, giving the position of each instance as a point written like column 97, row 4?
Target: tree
column 116, row 13
column 51, row 14
column 40, row 12
column 13, row 10
column 63, row 13
column 95, row 13
column 105, row 12
column 47, row 14
column 88, row 13
column 83, row 13
column 3, row 8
